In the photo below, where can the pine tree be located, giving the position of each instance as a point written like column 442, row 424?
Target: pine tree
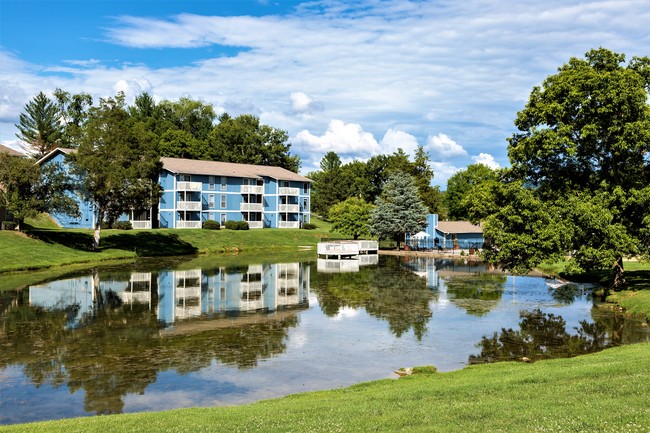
column 40, row 127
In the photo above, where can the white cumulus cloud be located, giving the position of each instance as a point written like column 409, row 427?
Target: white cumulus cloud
column 340, row 137
column 443, row 147
column 303, row 103
column 486, row 159
column 395, row 139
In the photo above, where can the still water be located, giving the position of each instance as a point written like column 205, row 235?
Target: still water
column 208, row 332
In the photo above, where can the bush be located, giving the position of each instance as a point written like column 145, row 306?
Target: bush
column 236, row 225
column 8, row 225
column 123, row 225
column 211, row 225
column 309, row 226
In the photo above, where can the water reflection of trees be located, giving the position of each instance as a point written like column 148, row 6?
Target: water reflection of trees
column 541, row 336
column 389, row 293
column 478, row 294
column 119, row 349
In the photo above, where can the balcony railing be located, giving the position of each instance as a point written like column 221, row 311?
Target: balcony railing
column 289, row 224
column 294, row 208
column 188, row 224
column 255, row 224
column 188, row 205
column 251, row 207
column 252, row 189
column 250, row 286
column 189, row 186
column 289, row 191
column 141, row 224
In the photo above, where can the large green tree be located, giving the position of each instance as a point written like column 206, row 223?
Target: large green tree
column 582, row 155
column 117, row 163
column 351, row 217
column 462, row 185
column 398, row 210
column 73, row 109
column 40, row 127
column 27, row 189
column 244, row 139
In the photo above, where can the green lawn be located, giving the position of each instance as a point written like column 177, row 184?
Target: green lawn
column 602, row 392
column 44, row 246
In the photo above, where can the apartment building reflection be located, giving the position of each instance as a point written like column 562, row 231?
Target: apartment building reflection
column 180, row 294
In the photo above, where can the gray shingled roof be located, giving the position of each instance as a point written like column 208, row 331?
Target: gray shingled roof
column 10, row 151
column 216, row 168
column 458, row 227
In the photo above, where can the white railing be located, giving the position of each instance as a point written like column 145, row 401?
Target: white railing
column 133, row 297
column 192, row 273
column 188, row 224
column 141, row 276
column 251, row 207
column 255, row 224
column 188, row 205
column 368, row 245
column 251, row 286
column 338, row 248
column 188, row 292
column 141, row 224
column 289, row 191
column 189, row 186
column 368, row 259
column 333, row 265
column 295, row 208
column 252, row 189
column 288, row 224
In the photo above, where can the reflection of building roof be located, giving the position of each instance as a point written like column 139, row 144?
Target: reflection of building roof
column 217, row 168
column 9, row 151
column 458, row 227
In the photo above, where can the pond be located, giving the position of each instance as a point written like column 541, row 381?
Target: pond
column 160, row 335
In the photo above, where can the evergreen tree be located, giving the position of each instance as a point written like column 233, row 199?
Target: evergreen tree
column 398, row 210
column 40, row 127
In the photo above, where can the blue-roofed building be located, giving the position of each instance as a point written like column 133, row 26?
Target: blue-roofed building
column 195, row 191
column 447, row 235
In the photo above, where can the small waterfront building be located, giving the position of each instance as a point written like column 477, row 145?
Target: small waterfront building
column 447, row 235
column 194, row 191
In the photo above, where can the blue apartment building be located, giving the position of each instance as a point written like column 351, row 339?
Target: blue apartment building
column 195, row 191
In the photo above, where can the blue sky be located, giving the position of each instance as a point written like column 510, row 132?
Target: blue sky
column 358, row 77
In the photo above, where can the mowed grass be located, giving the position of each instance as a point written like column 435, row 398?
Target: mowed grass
column 43, row 246
column 603, row 392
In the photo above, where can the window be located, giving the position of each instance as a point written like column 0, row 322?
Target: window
column 305, row 205
column 212, row 183
column 184, row 178
column 224, row 183
column 305, row 188
column 211, row 201
column 223, row 199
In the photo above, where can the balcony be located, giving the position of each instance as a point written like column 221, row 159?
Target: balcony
column 189, row 186
column 251, row 207
column 289, row 224
column 294, row 208
column 251, row 286
column 252, row 189
column 289, row 191
column 188, row 224
column 188, row 205
column 255, row 224
column 141, row 224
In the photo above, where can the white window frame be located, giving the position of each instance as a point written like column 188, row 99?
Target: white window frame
column 211, row 183
column 211, row 202
column 223, row 201
column 224, row 183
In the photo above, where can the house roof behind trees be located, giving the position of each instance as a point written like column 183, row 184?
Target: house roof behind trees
column 10, row 151
column 217, row 168
column 458, row 227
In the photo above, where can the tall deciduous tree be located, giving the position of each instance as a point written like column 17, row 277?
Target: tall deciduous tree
column 583, row 153
column 117, row 163
column 398, row 210
column 462, row 185
column 351, row 217
column 27, row 189
column 244, row 139
column 40, row 127
column 73, row 109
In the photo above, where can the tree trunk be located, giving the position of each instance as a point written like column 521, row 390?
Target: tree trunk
column 618, row 282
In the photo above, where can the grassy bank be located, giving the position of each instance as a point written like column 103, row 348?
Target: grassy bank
column 43, row 246
column 604, row 392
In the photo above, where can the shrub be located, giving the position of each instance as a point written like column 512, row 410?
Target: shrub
column 236, row 225
column 309, row 226
column 8, row 225
column 211, row 225
column 123, row 225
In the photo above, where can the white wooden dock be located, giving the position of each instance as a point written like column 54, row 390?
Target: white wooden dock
column 346, row 249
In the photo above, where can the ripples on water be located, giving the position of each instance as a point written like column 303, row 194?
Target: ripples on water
column 201, row 333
